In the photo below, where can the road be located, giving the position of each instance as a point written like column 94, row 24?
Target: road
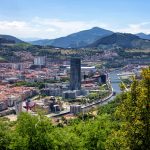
column 88, row 106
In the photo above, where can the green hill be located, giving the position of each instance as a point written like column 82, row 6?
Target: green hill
column 8, row 39
column 121, row 40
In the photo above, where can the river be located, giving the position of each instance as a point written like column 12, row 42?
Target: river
column 115, row 81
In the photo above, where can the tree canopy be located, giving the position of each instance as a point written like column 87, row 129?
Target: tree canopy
column 122, row 124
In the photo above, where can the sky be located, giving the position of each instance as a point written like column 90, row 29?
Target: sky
column 48, row 19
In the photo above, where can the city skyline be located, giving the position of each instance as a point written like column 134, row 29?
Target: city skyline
column 51, row 19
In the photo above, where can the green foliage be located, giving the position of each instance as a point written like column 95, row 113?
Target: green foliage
column 65, row 140
column 32, row 132
column 39, row 85
column 127, row 81
column 111, row 106
column 65, row 79
column 133, row 114
column 95, row 133
column 99, row 94
column 122, row 124
column 22, row 45
column 4, row 135
column 93, row 96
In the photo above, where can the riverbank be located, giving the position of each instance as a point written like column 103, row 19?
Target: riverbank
column 114, row 88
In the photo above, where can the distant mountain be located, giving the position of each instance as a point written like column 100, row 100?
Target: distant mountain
column 42, row 42
column 143, row 36
column 122, row 40
column 8, row 39
column 30, row 39
column 76, row 40
column 5, row 41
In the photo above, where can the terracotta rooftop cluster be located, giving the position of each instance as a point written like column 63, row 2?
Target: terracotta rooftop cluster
column 7, row 91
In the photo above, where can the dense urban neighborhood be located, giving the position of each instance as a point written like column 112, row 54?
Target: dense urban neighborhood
column 74, row 75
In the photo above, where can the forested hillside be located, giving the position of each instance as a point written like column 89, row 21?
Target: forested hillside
column 123, row 124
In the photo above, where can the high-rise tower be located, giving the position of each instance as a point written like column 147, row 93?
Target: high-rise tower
column 75, row 73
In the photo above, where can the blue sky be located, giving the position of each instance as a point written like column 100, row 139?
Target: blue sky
column 55, row 18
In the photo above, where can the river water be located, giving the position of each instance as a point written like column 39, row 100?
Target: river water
column 115, row 81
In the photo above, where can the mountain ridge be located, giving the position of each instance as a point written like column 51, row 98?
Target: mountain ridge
column 76, row 40
column 143, row 35
column 95, row 37
column 9, row 39
column 122, row 40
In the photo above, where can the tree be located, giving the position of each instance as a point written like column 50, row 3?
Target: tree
column 134, row 118
column 32, row 132
column 64, row 139
column 4, row 135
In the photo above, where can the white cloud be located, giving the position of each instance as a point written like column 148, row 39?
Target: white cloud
column 45, row 28
column 53, row 28
column 136, row 28
column 17, row 28
column 14, row 24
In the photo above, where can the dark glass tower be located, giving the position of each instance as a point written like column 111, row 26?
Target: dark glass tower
column 75, row 73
